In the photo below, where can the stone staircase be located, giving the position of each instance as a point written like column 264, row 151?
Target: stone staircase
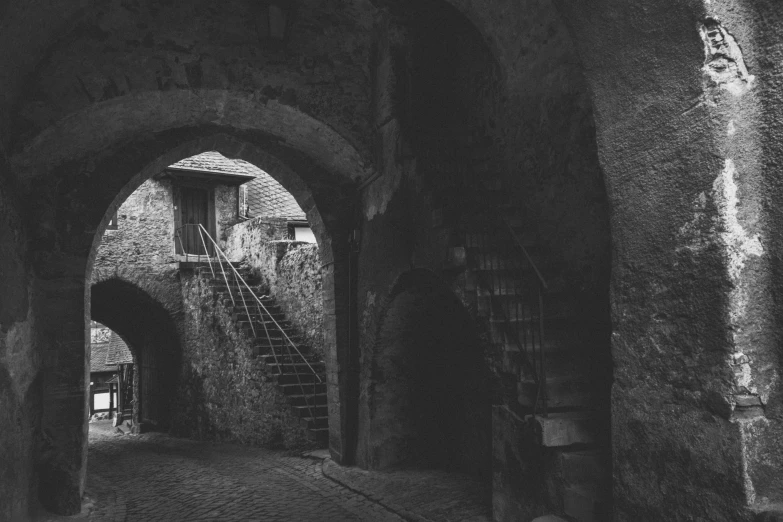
column 300, row 376
column 505, row 287
column 501, row 286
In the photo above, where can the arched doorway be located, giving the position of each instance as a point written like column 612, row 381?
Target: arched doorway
column 429, row 394
column 152, row 333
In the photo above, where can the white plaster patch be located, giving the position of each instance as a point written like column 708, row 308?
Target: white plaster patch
column 698, row 233
column 742, row 371
column 739, row 244
column 723, row 62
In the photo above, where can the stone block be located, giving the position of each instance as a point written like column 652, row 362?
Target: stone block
column 580, row 504
column 581, row 467
column 565, row 429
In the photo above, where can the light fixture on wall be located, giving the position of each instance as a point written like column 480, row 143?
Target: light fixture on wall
column 274, row 21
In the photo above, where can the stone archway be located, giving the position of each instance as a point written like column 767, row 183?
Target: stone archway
column 426, row 399
column 330, row 195
column 152, row 334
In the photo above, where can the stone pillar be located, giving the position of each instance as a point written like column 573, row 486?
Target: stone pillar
column 61, row 333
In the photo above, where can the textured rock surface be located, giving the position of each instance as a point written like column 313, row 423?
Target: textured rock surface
column 223, row 392
column 20, row 400
column 290, row 270
column 678, row 102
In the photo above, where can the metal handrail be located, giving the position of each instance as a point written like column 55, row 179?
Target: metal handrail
column 262, row 310
column 532, row 341
column 258, row 301
column 519, row 244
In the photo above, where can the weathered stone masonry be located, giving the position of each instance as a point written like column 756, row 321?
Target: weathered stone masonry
column 289, row 270
column 587, row 117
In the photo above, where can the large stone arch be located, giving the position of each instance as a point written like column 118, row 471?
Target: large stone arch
column 662, row 144
column 82, row 187
column 681, row 148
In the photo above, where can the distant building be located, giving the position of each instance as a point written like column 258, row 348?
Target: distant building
column 111, row 372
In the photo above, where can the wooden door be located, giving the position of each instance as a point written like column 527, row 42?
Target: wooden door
column 194, row 208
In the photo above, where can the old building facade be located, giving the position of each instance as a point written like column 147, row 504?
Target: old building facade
column 456, row 160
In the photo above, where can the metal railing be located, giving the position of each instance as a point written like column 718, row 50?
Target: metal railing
column 265, row 317
column 516, row 291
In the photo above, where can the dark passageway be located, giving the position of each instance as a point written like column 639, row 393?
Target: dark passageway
column 430, row 398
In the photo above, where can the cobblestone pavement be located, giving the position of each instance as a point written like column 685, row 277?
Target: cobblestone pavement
column 153, row 477
column 420, row 494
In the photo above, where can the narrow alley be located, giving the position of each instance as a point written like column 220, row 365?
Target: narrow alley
column 155, row 477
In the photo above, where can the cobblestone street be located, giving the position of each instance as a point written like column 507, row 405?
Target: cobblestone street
column 154, row 477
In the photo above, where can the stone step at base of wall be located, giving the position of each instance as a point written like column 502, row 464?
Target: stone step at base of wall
column 585, row 468
column 566, row 429
column 768, row 512
column 584, row 505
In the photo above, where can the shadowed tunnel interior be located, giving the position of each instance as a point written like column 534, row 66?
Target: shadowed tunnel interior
column 150, row 333
column 431, row 393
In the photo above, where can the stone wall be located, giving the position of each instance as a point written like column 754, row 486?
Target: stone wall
column 290, row 270
column 144, row 237
column 223, row 392
column 20, row 397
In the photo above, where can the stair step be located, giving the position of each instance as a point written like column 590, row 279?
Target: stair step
column 304, row 378
column 583, row 467
column 294, row 367
column 584, row 505
column 305, row 389
column 269, row 359
column 493, row 261
column 561, row 392
column 319, row 435
column 303, row 410
column 566, row 429
column 311, row 423
column 300, row 399
column 261, row 348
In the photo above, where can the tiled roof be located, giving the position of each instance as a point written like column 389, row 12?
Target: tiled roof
column 213, row 162
column 98, row 358
column 267, row 198
column 104, row 357
column 118, row 352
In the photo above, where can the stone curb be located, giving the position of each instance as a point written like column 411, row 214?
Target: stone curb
column 328, row 467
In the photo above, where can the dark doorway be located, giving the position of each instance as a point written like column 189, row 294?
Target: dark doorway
column 430, row 392
column 194, row 211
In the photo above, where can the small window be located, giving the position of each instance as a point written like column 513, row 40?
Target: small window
column 304, row 234
column 112, row 222
column 244, row 207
